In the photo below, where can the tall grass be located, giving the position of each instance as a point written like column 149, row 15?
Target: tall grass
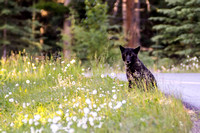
column 56, row 96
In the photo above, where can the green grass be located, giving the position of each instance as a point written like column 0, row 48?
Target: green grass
column 52, row 96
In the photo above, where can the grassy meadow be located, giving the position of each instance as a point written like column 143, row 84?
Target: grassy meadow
column 56, row 96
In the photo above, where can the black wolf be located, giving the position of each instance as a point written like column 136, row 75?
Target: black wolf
column 137, row 74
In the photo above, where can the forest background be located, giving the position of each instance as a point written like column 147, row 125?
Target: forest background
column 167, row 30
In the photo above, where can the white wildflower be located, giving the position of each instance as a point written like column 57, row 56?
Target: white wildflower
column 50, row 120
column 37, row 117
column 11, row 100
column 24, row 121
column 56, row 119
column 119, row 104
column 84, row 126
column 94, row 92
column 59, row 112
column 113, row 90
column 88, row 101
column 72, row 61
column 12, row 124
column 71, row 130
column 86, row 110
column 6, row 96
column 54, row 128
column 73, row 82
column 27, row 81
column 123, row 101
column 30, row 121
column 115, row 96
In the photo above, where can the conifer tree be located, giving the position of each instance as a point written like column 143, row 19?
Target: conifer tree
column 16, row 26
column 178, row 30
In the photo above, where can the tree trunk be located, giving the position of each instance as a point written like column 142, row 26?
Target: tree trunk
column 66, row 33
column 5, row 36
column 131, row 16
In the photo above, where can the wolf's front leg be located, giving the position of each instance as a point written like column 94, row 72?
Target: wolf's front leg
column 130, row 85
column 129, row 80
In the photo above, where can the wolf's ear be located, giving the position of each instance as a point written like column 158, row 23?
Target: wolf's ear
column 136, row 50
column 121, row 48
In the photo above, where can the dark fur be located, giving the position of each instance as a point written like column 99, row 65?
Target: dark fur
column 137, row 74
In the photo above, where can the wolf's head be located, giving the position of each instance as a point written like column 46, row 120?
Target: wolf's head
column 129, row 55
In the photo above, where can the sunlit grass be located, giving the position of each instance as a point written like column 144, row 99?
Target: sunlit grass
column 53, row 96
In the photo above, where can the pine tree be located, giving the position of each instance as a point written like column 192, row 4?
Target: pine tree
column 178, row 30
column 17, row 29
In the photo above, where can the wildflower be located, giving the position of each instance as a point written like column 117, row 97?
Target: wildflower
column 115, row 96
column 26, row 115
column 73, row 82
column 49, row 120
column 6, row 96
column 113, row 90
column 59, row 112
column 24, row 105
column 72, row 61
column 28, row 63
column 113, row 75
column 62, row 62
column 142, row 119
column 27, row 81
column 74, row 118
column 110, row 104
column 94, row 92
column 88, row 101
column 60, row 106
column 17, row 85
column 119, row 104
column 56, row 119
column 100, row 124
column 27, row 104
column 54, row 68
column 71, row 130
column 11, row 100
column 54, row 128
column 123, row 101
column 83, row 69
column 37, row 117
column 94, row 114
column 84, row 126
column 12, row 124
column 68, row 65
column 94, row 105
column 24, row 121
column 98, row 109
column 91, row 120
column 86, row 110
column 102, row 76
column 73, row 100
column 30, row 121
column 34, row 67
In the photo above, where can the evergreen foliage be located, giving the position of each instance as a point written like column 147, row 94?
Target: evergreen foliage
column 178, row 30
column 91, row 37
column 52, row 24
column 17, row 20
